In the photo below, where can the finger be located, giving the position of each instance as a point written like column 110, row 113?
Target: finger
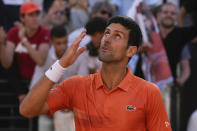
column 18, row 24
column 76, row 43
column 79, row 38
column 79, row 52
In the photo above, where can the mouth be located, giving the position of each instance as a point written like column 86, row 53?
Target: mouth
column 105, row 49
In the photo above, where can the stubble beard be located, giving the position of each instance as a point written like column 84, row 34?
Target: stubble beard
column 105, row 58
column 167, row 25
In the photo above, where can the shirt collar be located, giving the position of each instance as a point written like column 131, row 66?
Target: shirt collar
column 124, row 84
column 98, row 80
column 127, row 81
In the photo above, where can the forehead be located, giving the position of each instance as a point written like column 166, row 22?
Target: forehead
column 169, row 8
column 116, row 27
column 59, row 38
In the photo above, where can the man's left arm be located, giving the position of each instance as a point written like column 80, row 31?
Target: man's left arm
column 156, row 116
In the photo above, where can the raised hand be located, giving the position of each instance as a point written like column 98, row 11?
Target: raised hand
column 73, row 52
column 21, row 33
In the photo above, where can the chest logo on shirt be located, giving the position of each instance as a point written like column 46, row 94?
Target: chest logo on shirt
column 131, row 108
column 22, row 49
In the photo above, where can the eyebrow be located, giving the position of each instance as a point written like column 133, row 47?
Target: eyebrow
column 116, row 31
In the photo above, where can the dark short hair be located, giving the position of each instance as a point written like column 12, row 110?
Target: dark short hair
column 135, row 34
column 96, row 24
column 58, row 31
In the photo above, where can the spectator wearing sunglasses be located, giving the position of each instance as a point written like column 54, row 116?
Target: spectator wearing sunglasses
column 78, row 13
column 100, row 9
column 58, row 14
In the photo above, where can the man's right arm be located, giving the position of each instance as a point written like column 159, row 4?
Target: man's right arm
column 35, row 103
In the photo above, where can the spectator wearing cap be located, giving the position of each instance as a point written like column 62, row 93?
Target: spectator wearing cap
column 29, row 41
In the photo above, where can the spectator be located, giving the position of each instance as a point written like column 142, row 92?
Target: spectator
column 63, row 120
column 95, row 28
column 58, row 14
column 170, row 33
column 100, row 9
column 174, row 46
column 29, row 40
column 78, row 13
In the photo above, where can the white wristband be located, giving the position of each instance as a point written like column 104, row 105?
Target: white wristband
column 55, row 72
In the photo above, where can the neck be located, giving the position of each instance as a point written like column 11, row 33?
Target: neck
column 31, row 32
column 165, row 31
column 112, row 74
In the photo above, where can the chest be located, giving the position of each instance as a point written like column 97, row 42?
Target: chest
column 121, row 109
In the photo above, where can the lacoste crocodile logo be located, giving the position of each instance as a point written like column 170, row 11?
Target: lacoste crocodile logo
column 131, row 108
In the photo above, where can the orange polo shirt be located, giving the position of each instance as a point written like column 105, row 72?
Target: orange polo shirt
column 135, row 105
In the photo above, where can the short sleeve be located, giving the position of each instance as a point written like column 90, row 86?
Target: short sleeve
column 12, row 35
column 61, row 96
column 185, row 54
column 45, row 33
column 156, row 116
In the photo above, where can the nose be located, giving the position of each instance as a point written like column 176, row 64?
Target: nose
column 107, row 38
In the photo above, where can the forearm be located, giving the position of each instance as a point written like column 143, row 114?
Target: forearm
column 33, row 103
column 184, row 76
column 35, row 55
column 185, row 72
column 180, row 17
column 6, row 59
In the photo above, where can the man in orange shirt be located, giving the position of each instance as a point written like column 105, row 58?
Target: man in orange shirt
column 112, row 99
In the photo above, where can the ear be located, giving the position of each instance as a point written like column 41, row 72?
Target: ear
column 131, row 51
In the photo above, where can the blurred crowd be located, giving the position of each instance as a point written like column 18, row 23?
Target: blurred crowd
column 35, row 33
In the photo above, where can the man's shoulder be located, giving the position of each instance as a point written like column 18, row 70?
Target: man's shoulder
column 79, row 79
column 146, row 85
